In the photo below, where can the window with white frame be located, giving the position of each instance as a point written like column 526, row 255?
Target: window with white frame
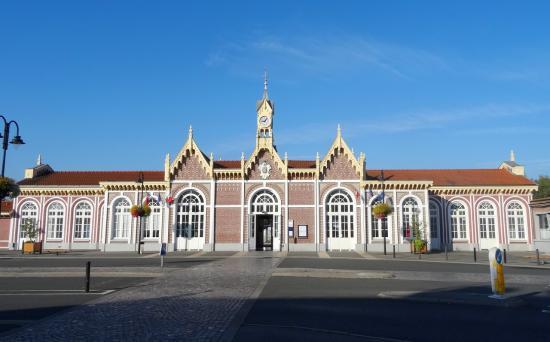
column 82, row 220
column 544, row 226
column 152, row 226
column 434, row 221
column 458, row 220
column 409, row 216
column 121, row 219
column 487, row 225
column 29, row 216
column 190, row 215
column 379, row 227
column 339, row 215
column 54, row 225
column 516, row 221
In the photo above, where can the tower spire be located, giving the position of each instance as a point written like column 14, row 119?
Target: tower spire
column 512, row 156
column 265, row 85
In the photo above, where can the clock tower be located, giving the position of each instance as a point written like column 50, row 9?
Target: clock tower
column 264, row 131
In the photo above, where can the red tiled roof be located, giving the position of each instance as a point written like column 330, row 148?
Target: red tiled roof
column 302, row 164
column 458, row 177
column 227, row 164
column 92, row 177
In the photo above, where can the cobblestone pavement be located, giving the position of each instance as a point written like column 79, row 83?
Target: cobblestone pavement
column 197, row 303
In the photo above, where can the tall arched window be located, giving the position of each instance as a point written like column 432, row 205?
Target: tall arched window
column 487, row 227
column 82, row 220
column 458, row 220
column 152, row 226
column 516, row 222
column 121, row 219
column 409, row 215
column 54, row 226
column 29, row 216
column 339, row 210
column 190, row 215
column 434, row 221
column 264, row 202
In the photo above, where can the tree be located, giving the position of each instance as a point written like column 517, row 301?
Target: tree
column 544, row 187
column 8, row 188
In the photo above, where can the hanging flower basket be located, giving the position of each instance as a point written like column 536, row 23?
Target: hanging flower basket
column 140, row 211
column 381, row 210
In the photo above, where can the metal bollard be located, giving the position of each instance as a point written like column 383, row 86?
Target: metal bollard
column 88, row 266
column 505, row 259
column 394, row 251
column 446, row 255
column 538, row 256
column 475, row 255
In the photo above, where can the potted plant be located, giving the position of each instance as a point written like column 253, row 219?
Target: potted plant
column 381, row 210
column 418, row 243
column 30, row 233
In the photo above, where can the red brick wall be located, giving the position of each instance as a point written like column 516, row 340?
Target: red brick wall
column 228, row 225
column 301, row 193
column 340, row 167
column 190, row 168
column 228, row 194
column 303, row 216
column 4, row 231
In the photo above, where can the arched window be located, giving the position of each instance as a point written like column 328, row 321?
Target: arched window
column 409, row 215
column 264, row 202
column 458, row 220
column 152, row 226
column 121, row 219
column 434, row 221
column 339, row 210
column 190, row 215
column 54, row 226
column 29, row 216
column 487, row 228
column 516, row 223
column 82, row 220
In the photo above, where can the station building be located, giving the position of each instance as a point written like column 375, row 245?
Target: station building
column 266, row 201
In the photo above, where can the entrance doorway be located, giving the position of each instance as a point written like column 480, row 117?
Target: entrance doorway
column 264, row 232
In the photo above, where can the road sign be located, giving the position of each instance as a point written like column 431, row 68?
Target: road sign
column 497, row 273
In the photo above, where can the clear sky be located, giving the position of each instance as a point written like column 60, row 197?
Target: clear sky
column 114, row 85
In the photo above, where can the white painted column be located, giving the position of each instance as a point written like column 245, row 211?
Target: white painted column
column 286, row 214
column 316, row 210
column 428, row 220
column 242, row 216
column 14, row 232
column 104, row 233
column 362, row 198
column 212, row 208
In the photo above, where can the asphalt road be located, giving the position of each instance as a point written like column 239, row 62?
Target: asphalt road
column 304, row 309
column 172, row 262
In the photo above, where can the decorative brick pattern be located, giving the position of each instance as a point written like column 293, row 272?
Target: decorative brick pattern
column 228, row 194
column 301, row 193
column 190, row 168
column 340, row 167
column 276, row 170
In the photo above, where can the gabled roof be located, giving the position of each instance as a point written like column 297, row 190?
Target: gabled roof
column 93, row 178
column 540, row 203
column 456, row 177
column 227, row 164
column 302, row 164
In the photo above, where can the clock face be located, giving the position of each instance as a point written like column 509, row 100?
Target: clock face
column 265, row 121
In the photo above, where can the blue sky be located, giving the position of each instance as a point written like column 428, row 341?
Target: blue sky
column 104, row 85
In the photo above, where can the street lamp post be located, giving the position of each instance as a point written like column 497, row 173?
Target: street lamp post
column 140, row 198
column 5, row 143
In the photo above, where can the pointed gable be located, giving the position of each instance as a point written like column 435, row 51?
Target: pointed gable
column 190, row 163
column 277, row 168
column 340, row 162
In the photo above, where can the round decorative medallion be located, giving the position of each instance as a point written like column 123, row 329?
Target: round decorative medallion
column 265, row 170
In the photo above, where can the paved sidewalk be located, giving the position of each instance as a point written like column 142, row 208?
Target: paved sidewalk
column 196, row 303
column 482, row 257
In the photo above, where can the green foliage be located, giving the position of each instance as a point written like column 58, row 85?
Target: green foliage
column 544, row 187
column 8, row 188
column 30, row 230
column 419, row 244
column 382, row 210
